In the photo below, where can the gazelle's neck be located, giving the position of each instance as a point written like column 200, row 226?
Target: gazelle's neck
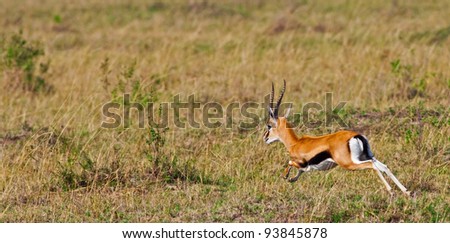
column 289, row 138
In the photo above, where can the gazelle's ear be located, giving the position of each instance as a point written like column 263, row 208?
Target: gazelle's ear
column 288, row 110
column 272, row 115
column 271, row 112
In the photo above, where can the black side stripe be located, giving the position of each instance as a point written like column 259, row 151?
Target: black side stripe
column 318, row 158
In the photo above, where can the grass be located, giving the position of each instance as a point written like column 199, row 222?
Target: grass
column 387, row 60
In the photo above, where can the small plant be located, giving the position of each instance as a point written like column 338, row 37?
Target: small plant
column 395, row 66
column 129, row 83
column 77, row 169
column 408, row 136
column 420, row 86
column 164, row 165
column 400, row 69
column 19, row 62
column 339, row 217
column 57, row 19
column 409, row 86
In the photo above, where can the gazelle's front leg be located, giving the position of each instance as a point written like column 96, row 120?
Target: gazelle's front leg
column 286, row 172
column 288, row 169
column 299, row 172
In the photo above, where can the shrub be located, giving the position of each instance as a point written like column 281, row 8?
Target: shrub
column 19, row 61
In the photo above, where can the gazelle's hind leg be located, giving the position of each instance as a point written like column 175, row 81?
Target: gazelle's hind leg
column 382, row 167
column 369, row 164
column 388, row 187
column 362, row 158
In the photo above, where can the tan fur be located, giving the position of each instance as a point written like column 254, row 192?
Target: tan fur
column 302, row 149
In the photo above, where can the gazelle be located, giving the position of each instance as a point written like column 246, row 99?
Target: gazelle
column 348, row 149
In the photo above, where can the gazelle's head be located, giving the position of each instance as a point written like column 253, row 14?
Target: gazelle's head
column 276, row 125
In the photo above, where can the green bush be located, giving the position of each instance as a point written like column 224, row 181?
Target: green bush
column 19, row 61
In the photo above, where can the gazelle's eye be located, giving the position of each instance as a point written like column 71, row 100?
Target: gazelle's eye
column 269, row 127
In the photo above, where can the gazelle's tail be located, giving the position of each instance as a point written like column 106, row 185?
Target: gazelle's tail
column 360, row 149
column 367, row 152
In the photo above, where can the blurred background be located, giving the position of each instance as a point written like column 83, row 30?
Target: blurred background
column 60, row 61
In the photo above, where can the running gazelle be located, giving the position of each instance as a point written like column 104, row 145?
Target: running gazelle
column 347, row 149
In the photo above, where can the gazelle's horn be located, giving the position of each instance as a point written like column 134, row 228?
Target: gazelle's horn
column 271, row 97
column 279, row 99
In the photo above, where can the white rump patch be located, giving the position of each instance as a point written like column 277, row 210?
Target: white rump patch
column 356, row 150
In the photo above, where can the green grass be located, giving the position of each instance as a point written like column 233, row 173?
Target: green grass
column 388, row 61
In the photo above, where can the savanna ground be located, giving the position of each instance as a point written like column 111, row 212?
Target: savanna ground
column 61, row 61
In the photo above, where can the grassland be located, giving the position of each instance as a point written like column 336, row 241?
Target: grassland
column 388, row 60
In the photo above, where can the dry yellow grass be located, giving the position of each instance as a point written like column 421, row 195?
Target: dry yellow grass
column 388, row 60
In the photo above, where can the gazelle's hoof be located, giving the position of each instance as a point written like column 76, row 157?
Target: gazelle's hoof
column 292, row 179
column 407, row 193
